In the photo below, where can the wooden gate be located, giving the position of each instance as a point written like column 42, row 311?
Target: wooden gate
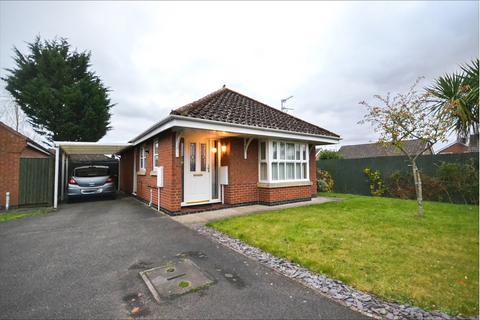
column 36, row 182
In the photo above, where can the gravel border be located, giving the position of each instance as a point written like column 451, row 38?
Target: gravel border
column 364, row 303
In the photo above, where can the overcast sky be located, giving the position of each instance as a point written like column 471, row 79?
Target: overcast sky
column 156, row 56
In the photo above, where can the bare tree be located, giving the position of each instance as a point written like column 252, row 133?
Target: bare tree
column 404, row 117
column 13, row 116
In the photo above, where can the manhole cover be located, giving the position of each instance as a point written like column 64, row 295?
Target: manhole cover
column 174, row 278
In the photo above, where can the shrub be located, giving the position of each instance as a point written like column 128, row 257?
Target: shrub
column 460, row 182
column 377, row 188
column 328, row 154
column 324, row 181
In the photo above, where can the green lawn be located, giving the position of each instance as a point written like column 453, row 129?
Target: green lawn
column 377, row 245
column 4, row 217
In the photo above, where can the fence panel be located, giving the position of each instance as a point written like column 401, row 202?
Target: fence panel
column 349, row 177
column 36, row 181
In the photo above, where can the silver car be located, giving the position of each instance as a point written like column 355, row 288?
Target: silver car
column 91, row 181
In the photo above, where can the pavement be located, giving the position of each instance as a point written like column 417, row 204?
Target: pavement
column 202, row 218
column 83, row 261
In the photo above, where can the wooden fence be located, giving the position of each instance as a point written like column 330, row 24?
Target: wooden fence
column 348, row 174
column 36, row 181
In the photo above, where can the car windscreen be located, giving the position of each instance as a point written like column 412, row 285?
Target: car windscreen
column 91, row 172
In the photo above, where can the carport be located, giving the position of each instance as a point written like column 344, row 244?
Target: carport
column 65, row 148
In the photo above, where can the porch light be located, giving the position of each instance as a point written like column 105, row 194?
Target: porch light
column 214, row 150
column 224, row 148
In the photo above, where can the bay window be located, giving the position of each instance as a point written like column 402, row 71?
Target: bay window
column 283, row 161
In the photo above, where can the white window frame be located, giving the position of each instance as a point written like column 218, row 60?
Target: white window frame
column 143, row 158
column 155, row 154
column 269, row 144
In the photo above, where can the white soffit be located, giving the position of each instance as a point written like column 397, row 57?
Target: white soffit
column 70, row 147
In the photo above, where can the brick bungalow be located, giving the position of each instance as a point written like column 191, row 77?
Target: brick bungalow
column 268, row 156
column 13, row 147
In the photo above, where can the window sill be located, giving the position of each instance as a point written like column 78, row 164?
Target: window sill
column 271, row 185
column 153, row 173
column 141, row 172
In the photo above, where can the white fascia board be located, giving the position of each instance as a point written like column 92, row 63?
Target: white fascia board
column 193, row 123
column 38, row 148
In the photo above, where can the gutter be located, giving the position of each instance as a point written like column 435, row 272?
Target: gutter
column 177, row 117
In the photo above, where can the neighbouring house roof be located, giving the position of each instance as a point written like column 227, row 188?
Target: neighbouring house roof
column 30, row 143
column 461, row 145
column 372, row 150
column 232, row 109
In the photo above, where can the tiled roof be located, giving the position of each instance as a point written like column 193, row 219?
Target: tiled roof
column 226, row 105
column 372, row 150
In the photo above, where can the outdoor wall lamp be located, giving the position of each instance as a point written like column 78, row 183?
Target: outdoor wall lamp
column 214, row 150
column 224, row 148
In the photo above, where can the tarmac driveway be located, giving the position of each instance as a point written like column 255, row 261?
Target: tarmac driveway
column 83, row 262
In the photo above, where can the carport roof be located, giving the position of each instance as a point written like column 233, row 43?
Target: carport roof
column 70, row 147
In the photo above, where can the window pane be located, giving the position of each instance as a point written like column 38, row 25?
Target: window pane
column 155, row 153
column 290, row 151
column 274, row 171
column 304, row 152
column 203, row 157
column 297, row 152
column 281, row 171
column 290, row 171
column 298, row 173
column 282, row 150
column 263, row 150
column 263, row 171
column 304, row 170
column 193, row 156
column 274, row 144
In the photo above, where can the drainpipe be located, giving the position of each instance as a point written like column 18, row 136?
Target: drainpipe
column 151, row 199
column 7, row 201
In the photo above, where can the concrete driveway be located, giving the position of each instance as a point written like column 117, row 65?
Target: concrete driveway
column 83, row 262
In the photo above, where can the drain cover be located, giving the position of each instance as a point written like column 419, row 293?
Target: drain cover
column 174, row 278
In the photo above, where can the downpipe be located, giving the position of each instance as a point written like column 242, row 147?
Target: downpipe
column 7, row 201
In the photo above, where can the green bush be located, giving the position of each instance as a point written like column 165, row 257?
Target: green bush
column 325, row 181
column 377, row 188
column 452, row 182
column 459, row 181
column 328, row 154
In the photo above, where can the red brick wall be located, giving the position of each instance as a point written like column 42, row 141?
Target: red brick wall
column 242, row 173
column 11, row 147
column 455, row 148
column 285, row 194
column 29, row 152
column 171, row 193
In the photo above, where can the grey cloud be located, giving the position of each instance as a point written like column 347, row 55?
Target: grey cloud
column 158, row 56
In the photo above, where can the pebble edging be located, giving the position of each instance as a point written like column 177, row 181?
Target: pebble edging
column 364, row 303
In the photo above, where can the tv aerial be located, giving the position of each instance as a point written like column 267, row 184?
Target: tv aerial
column 283, row 107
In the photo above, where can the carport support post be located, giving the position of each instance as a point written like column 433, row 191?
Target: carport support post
column 55, row 188
column 63, row 175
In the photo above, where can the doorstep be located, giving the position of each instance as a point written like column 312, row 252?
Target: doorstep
column 199, row 219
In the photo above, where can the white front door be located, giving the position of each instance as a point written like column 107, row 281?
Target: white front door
column 197, row 172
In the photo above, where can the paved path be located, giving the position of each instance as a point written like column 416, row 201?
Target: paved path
column 202, row 218
column 83, row 262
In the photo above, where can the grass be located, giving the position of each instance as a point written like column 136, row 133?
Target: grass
column 378, row 245
column 4, row 217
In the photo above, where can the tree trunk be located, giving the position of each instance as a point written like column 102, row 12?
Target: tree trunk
column 418, row 189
